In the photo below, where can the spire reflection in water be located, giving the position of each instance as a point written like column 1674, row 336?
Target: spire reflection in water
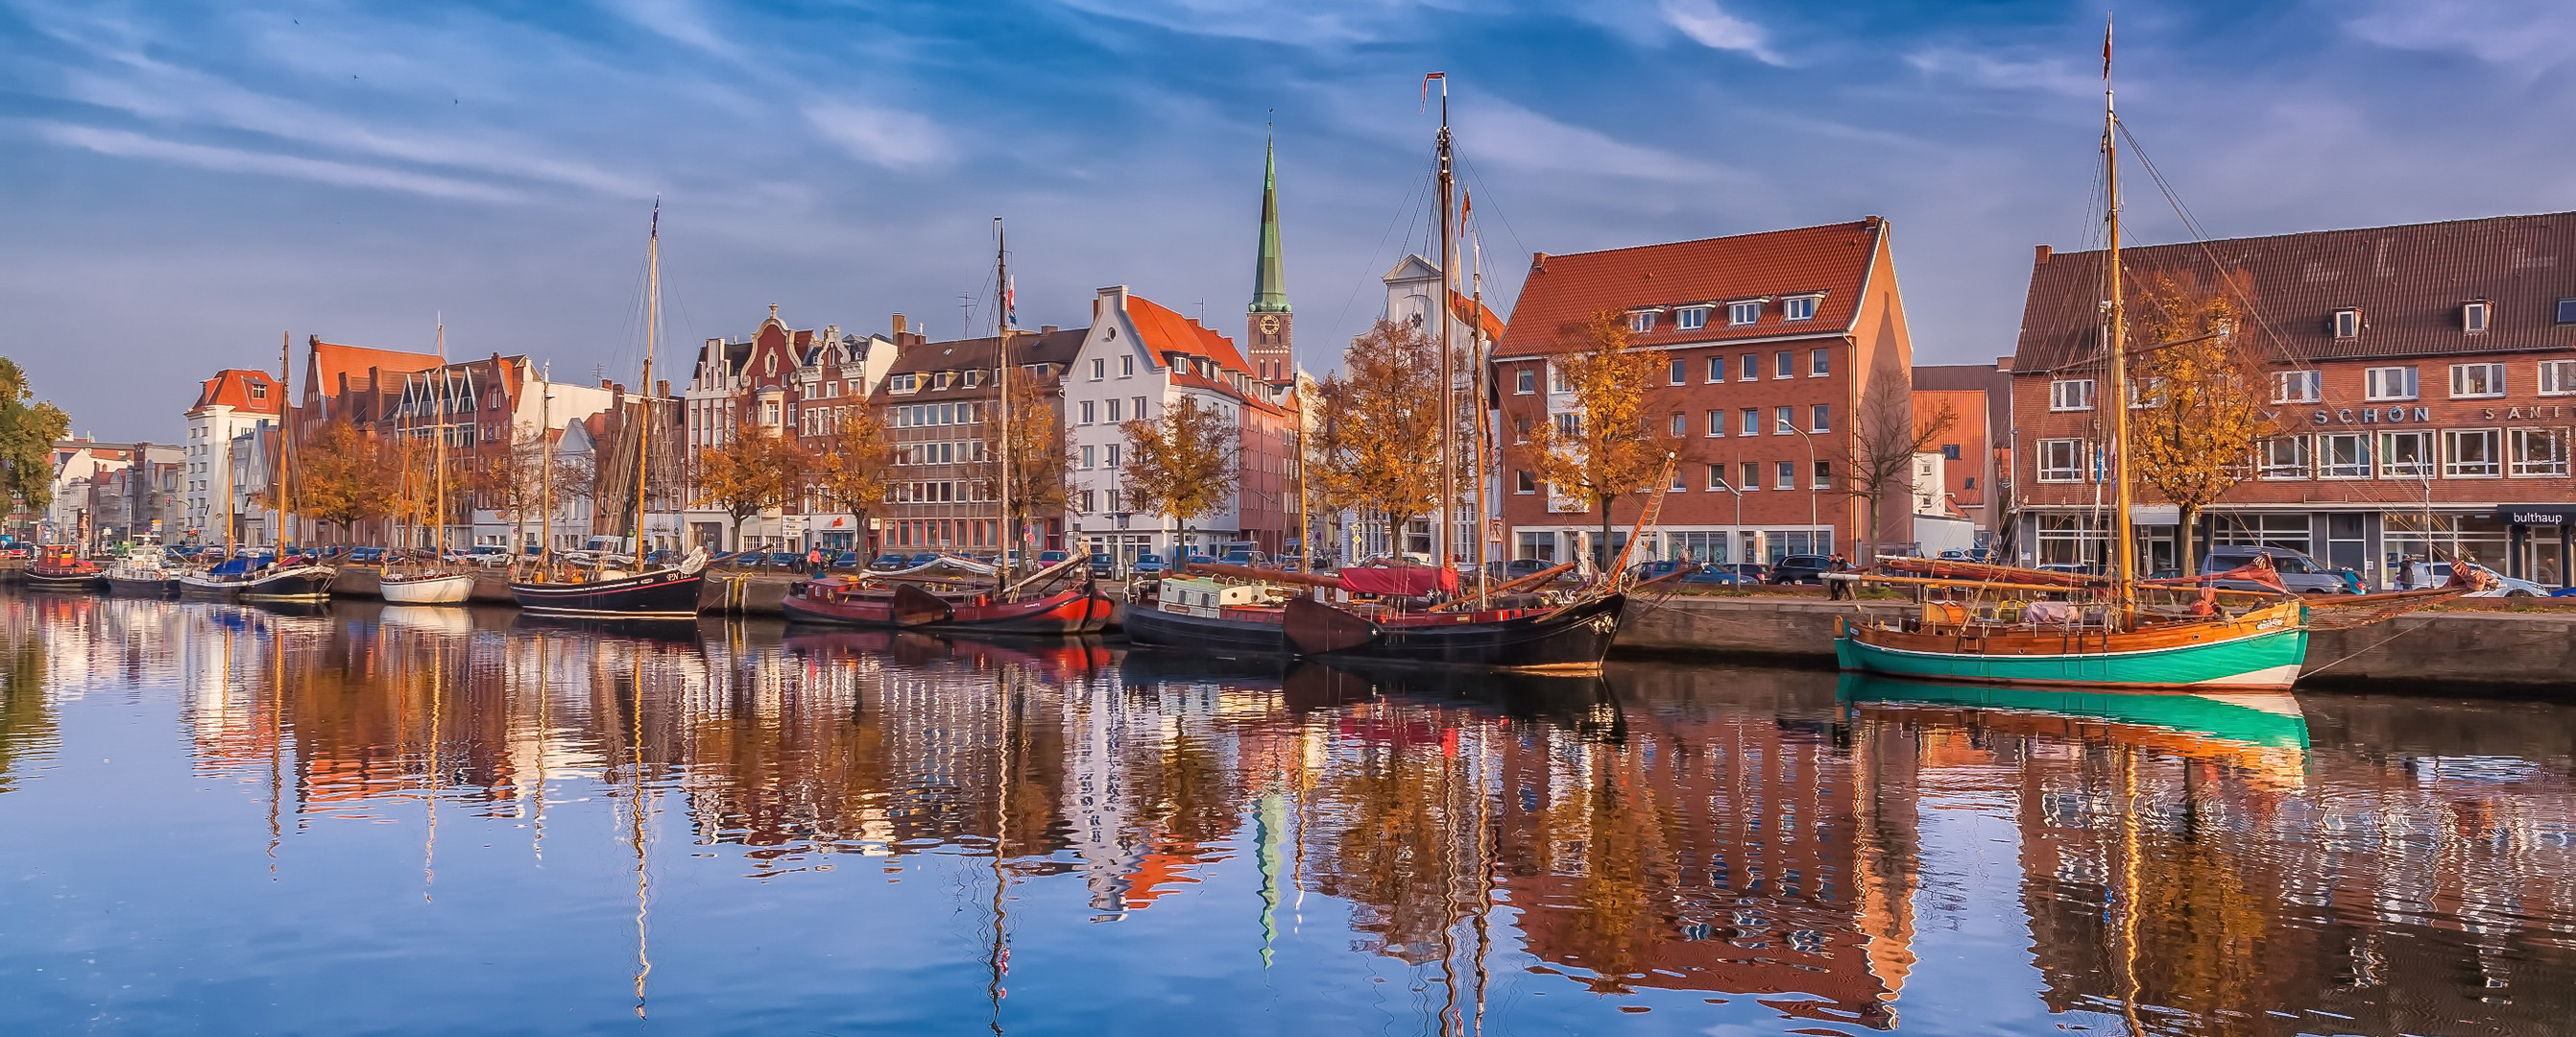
column 745, row 828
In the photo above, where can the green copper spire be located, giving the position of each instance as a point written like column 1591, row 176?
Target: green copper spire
column 1269, row 277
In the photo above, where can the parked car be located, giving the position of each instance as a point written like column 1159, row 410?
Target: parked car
column 1801, row 569
column 489, row 555
column 2299, row 573
column 366, row 556
column 1146, row 567
column 1246, row 556
column 1719, row 574
column 1047, row 558
column 1104, row 566
column 1198, row 558
column 1747, row 572
column 921, row 558
column 1521, row 567
column 1644, row 571
column 846, row 560
column 2438, row 574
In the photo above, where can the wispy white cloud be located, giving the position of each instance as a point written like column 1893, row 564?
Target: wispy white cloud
column 1511, row 135
column 680, row 21
column 124, row 144
column 2533, row 34
column 1310, row 23
column 886, row 137
column 2000, row 73
column 1711, row 26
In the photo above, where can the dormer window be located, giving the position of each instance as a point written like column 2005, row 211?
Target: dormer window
column 2347, row 323
column 1742, row 313
column 1690, row 318
column 1641, row 321
column 2473, row 317
column 259, row 392
column 945, row 377
column 1799, row 307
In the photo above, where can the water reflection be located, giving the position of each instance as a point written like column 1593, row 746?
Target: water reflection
column 1705, row 845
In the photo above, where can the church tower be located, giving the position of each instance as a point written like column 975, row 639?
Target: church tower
column 1266, row 332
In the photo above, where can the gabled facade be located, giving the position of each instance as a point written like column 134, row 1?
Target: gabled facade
column 1774, row 352
column 352, row 383
column 1138, row 358
column 232, row 402
column 795, row 381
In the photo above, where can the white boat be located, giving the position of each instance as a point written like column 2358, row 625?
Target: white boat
column 433, row 587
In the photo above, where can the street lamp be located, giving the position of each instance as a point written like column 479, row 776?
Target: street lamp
column 1811, row 482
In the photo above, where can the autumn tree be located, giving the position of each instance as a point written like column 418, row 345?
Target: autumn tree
column 1377, row 422
column 757, row 467
column 1181, row 464
column 512, row 481
column 1602, row 448
column 344, row 476
column 1880, row 455
column 1035, row 450
column 28, row 429
column 2201, row 401
column 854, row 464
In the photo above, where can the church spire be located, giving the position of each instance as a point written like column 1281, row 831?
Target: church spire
column 1269, row 278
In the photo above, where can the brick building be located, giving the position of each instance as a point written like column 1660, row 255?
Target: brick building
column 2423, row 379
column 940, row 405
column 1978, row 398
column 796, row 382
column 1781, row 352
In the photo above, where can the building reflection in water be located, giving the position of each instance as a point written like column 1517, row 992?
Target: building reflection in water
column 2187, row 864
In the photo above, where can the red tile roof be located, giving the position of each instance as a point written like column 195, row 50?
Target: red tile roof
column 1563, row 291
column 328, row 361
column 2408, row 282
column 1168, row 332
column 230, row 388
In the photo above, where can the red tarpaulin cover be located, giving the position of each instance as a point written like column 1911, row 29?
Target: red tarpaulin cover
column 1410, row 581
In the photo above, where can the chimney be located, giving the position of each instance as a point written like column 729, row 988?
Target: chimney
column 1047, row 329
column 2040, row 255
column 899, row 327
column 1538, row 262
column 605, row 383
column 1871, row 222
column 662, row 387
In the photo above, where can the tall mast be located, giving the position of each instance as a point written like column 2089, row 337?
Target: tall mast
column 546, row 471
column 644, row 391
column 285, row 420
column 1003, row 318
column 1477, row 368
column 1447, row 529
column 229, row 513
column 2124, row 551
column 438, row 464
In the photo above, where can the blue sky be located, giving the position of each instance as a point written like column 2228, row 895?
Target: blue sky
column 186, row 181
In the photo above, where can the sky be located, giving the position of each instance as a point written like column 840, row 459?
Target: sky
column 185, row 182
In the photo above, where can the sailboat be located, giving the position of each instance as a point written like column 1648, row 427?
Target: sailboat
column 1033, row 605
column 1231, row 609
column 625, row 588
column 435, row 582
column 2008, row 625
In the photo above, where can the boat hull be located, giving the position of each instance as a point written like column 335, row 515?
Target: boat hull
column 1572, row 639
column 302, row 583
column 199, row 585
column 73, row 582
column 2259, row 660
column 426, row 590
column 659, row 594
column 143, row 586
column 1082, row 610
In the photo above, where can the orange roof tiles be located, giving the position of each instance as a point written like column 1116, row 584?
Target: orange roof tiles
column 231, row 388
column 1563, row 291
column 328, row 361
column 1167, row 332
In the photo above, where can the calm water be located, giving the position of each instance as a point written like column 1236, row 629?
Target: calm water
column 220, row 820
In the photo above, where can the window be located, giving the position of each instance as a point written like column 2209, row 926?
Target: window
column 2473, row 317
column 2567, row 311
column 2388, row 383
column 1823, row 476
column 259, row 392
column 1525, row 381
column 1782, row 366
column 2285, row 457
column 1679, row 373
column 1113, row 455
column 2406, row 455
column 2296, row 386
column 2475, row 381
column 1127, row 366
column 2470, row 453
column 2347, row 323
column 1949, row 451
column 1679, row 479
column 1556, row 379
column 1798, row 307
column 1139, row 410
column 1099, row 368
column 1117, row 500
column 1752, row 425
column 1681, row 424
column 900, row 383
column 1641, row 321
column 1717, row 477
column 2538, row 451
column 1780, row 425
column 1114, row 416
column 1784, row 475
column 1751, row 368
column 1819, row 363
column 1740, row 313
column 1819, row 418
column 1691, row 319
column 1088, row 417
column 1716, row 423
column 1520, row 430
column 2061, row 460
column 1087, row 457
column 2343, row 455
column 1090, row 500
column 1716, row 369
column 2557, row 377
column 1523, row 481
column 1752, row 476
column 2071, row 394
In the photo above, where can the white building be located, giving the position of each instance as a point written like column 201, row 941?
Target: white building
column 232, row 402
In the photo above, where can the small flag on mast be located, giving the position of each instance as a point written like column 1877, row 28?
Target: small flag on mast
column 2106, row 49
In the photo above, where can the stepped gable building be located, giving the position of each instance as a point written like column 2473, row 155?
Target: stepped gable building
column 489, row 408
column 1785, row 357
column 352, row 383
column 939, row 402
column 1137, row 358
column 787, row 381
column 232, row 402
column 2423, row 380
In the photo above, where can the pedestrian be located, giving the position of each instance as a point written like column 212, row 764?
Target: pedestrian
column 1837, row 589
column 813, row 561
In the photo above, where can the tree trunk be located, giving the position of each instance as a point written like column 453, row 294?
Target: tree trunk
column 1602, row 500
column 2184, row 559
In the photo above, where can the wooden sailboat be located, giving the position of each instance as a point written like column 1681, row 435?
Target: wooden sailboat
column 1229, row 610
column 1040, row 604
column 437, row 581
column 2006, row 625
column 285, row 577
column 624, row 588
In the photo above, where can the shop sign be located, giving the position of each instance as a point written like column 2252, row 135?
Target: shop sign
column 2535, row 514
column 2417, row 415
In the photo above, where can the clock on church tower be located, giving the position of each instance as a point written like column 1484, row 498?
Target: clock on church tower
column 1272, row 353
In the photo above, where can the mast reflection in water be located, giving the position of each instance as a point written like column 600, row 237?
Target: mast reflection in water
column 414, row 820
